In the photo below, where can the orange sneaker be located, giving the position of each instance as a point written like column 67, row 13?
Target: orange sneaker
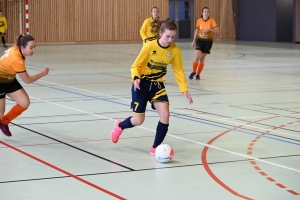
column 116, row 132
column 152, row 151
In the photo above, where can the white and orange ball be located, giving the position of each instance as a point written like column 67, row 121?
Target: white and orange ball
column 164, row 153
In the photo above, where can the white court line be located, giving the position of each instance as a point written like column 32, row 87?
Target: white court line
column 180, row 138
column 204, row 116
column 245, row 80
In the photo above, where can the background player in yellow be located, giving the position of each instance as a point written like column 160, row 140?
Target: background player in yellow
column 145, row 30
column 203, row 38
column 147, row 72
column 3, row 28
column 11, row 63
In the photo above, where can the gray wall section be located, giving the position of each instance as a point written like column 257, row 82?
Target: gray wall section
column 284, row 20
column 257, row 20
column 266, row 20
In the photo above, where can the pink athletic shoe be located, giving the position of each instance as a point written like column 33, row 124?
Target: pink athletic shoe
column 116, row 132
column 152, row 151
column 5, row 130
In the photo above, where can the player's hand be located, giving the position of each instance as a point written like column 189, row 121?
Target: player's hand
column 136, row 84
column 146, row 41
column 45, row 71
column 206, row 30
column 193, row 44
column 188, row 96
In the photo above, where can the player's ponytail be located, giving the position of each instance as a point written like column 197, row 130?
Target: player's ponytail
column 23, row 40
column 162, row 25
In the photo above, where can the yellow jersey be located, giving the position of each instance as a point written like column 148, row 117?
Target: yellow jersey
column 11, row 62
column 3, row 25
column 145, row 30
column 152, row 61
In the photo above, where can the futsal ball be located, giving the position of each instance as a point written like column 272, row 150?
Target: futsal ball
column 164, row 153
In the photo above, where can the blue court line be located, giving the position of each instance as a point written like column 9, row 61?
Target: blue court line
column 176, row 116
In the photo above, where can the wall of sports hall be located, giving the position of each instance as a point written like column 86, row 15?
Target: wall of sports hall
column 105, row 21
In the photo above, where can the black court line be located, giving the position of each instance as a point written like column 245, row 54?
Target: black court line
column 73, row 121
column 233, row 126
column 259, row 123
column 147, row 169
column 92, row 154
column 287, row 116
column 281, row 109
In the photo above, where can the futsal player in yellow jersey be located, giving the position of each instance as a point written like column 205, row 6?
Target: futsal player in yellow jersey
column 203, row 38
column 145, row 30
column 12, row 63
column 147, row 72
column 3, row 28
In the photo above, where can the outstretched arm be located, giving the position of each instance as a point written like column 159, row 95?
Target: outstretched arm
column 30, row 79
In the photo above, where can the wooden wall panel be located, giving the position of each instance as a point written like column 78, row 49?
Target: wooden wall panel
column 69, row 21
column 297, row 21
column 10, row 10
column 223, row 12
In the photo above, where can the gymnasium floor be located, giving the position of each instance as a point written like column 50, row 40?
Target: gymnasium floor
column 239, row 140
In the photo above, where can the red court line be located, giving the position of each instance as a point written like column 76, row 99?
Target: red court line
column 280, row 185
column 293, row 192
column 63, row 171
column 207, row 168
column 263, row 173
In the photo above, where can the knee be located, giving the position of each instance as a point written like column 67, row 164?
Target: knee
column 164, row 117
column 136, row 121
column 25, row 104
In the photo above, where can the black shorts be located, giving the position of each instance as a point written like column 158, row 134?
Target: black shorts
column 151, row 91
column 204, row 46
column 9, row 88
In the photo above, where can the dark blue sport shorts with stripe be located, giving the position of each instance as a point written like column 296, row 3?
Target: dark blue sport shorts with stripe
column 151, row 91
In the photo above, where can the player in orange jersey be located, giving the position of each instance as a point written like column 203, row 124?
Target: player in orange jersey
column 11, row 63
column 203, row 38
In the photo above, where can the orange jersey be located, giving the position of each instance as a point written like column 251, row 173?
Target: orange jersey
column 11, row 62
column 202, row 25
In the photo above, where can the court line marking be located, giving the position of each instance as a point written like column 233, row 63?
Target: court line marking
column 63, row 171
column 185, row 112
column 177, row 137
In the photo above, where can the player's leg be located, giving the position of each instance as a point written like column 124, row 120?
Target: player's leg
column 198, row 52
column 163, row 124
column 201, row 65
column 206, row 50
column 138, row 105
column 16, row 92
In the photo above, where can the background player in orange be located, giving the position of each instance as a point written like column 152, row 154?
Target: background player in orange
column 147, row 74
column 203, row 38
column 11, row 63
column 3, row 28
column 145, row 30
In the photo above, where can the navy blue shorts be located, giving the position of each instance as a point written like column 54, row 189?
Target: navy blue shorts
column 9, row 88
column 151, row 91
column 203, row 46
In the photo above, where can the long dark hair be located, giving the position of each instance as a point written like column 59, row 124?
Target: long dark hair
column 162, row 25
column 203, row 10
column 23, row 40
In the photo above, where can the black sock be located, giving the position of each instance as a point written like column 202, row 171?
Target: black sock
column 161, row 132
column 3, row 40
column 126, row 124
